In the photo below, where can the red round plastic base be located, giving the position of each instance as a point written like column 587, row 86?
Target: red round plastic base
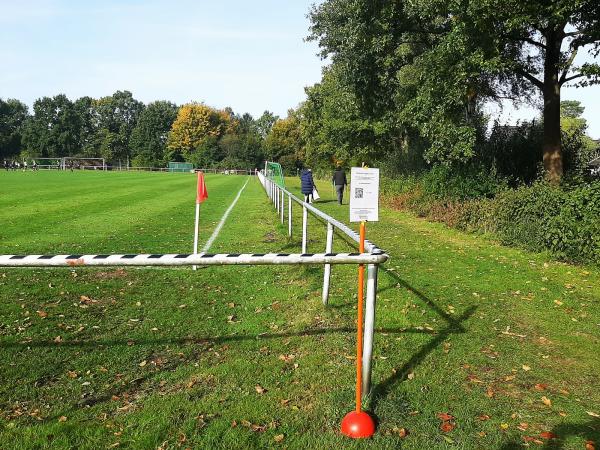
column 358, row 425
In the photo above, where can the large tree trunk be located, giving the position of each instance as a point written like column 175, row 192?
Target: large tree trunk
column 553, row 160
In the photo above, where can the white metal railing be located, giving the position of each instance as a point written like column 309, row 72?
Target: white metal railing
column 277, row 195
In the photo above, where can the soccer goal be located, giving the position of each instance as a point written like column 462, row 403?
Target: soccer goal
column 71, row 163
column 180, row 167
column 274, row 172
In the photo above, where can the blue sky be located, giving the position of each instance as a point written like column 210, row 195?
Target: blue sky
column 249, row 55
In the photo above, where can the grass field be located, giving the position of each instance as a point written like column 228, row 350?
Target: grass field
column 506, row 342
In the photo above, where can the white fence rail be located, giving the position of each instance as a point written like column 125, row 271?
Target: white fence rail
column 278, row 195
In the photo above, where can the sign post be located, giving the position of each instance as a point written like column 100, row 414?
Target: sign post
column 364, row 206
column 201, row 195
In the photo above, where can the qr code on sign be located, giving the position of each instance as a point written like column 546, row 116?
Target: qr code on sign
column 358, row 193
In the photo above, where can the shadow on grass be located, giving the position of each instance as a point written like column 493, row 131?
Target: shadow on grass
column 202, row 339
column 454, row 325
column 589, row 431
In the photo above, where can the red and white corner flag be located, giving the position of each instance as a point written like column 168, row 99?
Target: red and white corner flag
column 201, row 195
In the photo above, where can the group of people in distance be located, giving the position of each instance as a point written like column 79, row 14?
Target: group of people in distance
column 16, row 165
column 308, row 188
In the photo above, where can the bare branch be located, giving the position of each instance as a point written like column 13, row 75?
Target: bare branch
column 528, row 40
column 568, row 64
column 579, row 75
column 537, row 83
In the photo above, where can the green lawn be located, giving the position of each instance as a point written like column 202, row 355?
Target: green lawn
column 507, row 342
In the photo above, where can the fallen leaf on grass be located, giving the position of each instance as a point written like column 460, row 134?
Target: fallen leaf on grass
column 483, row 417
column 590, row 445
column 548, row 435
column 504, row 426
column 62, row 419
column 402, row 432
column 446, row 427
column 593, row 414
column 42, row 314
column 58, row 340
column 546, row 401
column 71, row 374
column 540, row 387
column 143, row 363
column 279, row 438
column 490, row 392
column 260, row 389
column 532, row 439
column 445, row 417
column 411, row 376
column 525, row 368
column 523, row 426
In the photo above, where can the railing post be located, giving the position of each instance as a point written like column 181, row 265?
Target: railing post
column 304, row 227
column 282, row 209
column 277, row 198
column 327, row 271
column 289, row 215
column 369, row 329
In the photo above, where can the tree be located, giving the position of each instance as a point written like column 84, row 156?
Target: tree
column 117, row 115
column 13, row 115
column 54, row 128
column 435, row 62
column 195, row 123
column 284, row 143
column 86, row 110
column 148, row 140
column 265, row 122
column 578, row 147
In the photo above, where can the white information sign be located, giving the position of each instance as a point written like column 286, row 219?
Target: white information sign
column 364, row 195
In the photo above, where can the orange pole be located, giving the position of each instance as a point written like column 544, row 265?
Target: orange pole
column 359, row 337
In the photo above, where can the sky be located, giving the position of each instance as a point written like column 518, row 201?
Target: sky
column 249, row 55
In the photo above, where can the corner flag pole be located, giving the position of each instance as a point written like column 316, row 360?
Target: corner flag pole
column 201, row 195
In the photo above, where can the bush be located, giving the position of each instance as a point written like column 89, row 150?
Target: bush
column 565, row 221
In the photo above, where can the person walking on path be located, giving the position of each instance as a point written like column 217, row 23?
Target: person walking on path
column 339, row 180
column 307, row 184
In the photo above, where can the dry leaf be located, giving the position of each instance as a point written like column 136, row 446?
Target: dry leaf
column 546, row 401
column 62, row 419
column 402, row 432
column 58, row 339
column 42, row 314
column 143, row 363
column 525, row 368
column 260, row 389
column 411, row 376
column 548, row 435
column 446, row 427
column 593, row 414
column 445, row 417
column 483, row 417
column 71, row 374
column 279, row 438
column 489, row 393
column 523, row 426
column 540, row 387
column 504, row 426
column 590, row 445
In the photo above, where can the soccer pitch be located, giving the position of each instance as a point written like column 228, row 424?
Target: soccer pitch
column 502, row 340
column 224, row 357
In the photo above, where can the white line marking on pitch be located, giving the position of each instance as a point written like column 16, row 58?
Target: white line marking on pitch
column 215, row 233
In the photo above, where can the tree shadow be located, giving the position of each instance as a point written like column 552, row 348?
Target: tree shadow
column 588, row 431
column 212, row 340
column 454, row 325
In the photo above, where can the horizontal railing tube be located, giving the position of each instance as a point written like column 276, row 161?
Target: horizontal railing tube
column 200, row 259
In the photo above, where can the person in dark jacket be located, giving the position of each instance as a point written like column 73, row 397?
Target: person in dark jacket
column 307, row 184
column 339, row 181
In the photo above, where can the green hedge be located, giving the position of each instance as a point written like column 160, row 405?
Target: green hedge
column 563, row 220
